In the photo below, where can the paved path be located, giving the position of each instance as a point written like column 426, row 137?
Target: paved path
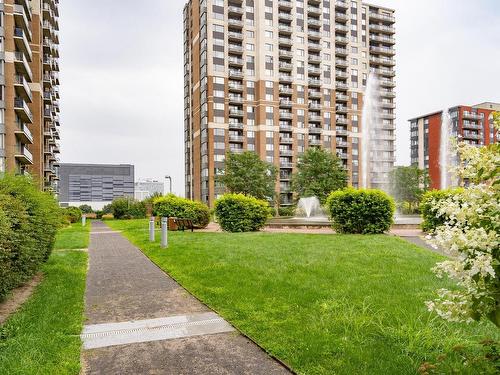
column 123, row 286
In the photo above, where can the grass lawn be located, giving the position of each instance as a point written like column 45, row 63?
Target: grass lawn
column 73, row 237
column 324, row 304
column 42, row 337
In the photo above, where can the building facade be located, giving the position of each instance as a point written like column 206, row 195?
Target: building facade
column 94, row 184
column 148, row 187
column 277, row 77
column 29, row 80
column 470, row 124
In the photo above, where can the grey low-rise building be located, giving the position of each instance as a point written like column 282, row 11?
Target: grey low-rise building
column 94, row 184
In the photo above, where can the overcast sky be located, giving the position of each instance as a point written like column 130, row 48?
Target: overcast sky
column 122, row 80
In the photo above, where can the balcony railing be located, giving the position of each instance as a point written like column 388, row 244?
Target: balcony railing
column 23, row 110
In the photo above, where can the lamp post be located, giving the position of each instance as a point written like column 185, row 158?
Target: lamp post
column 169, row 178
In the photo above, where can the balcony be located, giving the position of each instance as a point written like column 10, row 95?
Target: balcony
column 314, row 117
column 22, row 43
column 315, row 106
column 286, row 140
column 314, row 10
column 471, row 135
column 237, row 99
column 341, row 4
column 341, row 74
column 234, row 112
column 341, row 131
column 235, row 48
column 236, row 150
column 23, row 134
column 341, row 40
column 471, row 125
column 286, row 165
column 285, row 16
column 341, row 17
column 235, row 22
column 285, row 103
column 286, row 78
column 387, row 83
column 341, row 98
column 233, row 35
column 312, row 70
column 314, row 94
column 341, row 120
column 314, row 46
column 382, row 39
column 285, row 4
column 23, row 89
column 341, row 109
column 285, row 53
column 26, row 8
column 342, row 155
column 285, row 66
column 235, row 126
column 341, row 51
column 471, row 115
column 286, row 115
column 382, row 28
column 22, row 20
column 341, row 86
column 382, row 61
column 341, row 28
column 285, row 28
column 314, row 34
column 232, row 60
column 315, row 130
column 234, row 10
column 235, row 138
column 314, row 58
column 382, row 17
column 286, row 152
column 285, row 90
column 285, row 41
column 234, row 73
column 384, row 72
column 22, row 110
column 314, row 142
column 233, row 86
column 388, row 93
column 387, row 116
column 23, row 155
column 314, row 82
column 382, row 50
column 341, row 63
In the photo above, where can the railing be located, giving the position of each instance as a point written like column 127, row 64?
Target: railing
column 19, row 103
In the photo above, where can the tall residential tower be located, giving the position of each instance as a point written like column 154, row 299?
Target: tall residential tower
column 277, row 77
column 29, row 82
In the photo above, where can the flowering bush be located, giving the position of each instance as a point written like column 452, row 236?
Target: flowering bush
column 470, row 234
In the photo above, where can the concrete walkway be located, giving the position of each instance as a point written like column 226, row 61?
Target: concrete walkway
column 161, row 328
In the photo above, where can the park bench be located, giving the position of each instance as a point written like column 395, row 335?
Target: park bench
column 183, row 224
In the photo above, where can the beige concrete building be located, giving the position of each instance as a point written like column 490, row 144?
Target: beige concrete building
column 29, row 83
column 277, row 77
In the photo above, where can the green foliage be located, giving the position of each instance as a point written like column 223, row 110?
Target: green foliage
column 29, row 220
column 427, row 208
column 86, row 209
column 247, row 174
column 319, row 172
column 407, row 186
column 127, row 208
column 173, row 206
column 361, row 211
column 241, row 213
column 286, row 211
column 71, row 214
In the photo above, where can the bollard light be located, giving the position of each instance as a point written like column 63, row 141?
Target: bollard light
column 152, row 229
column 84, row 220
column 164, row 232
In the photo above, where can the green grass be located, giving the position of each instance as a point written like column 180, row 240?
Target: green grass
column 43, row 336
column 324, row 304
column 73, row 237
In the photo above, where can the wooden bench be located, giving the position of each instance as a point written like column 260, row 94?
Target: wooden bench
column 183, row 224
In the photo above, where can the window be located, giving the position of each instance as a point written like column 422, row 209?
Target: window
column 219, row 80
column 268, row 47
column 250, row 34
column 268, row 34
column 250, row 47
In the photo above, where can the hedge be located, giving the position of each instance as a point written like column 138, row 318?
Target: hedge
column 368, row 211
column 71, row 214
column 127, row 208
column 429, row 214
column 173, row 206
column 241, row 213
column 29, row 220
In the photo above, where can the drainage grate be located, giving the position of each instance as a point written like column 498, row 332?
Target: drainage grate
column 110, row 334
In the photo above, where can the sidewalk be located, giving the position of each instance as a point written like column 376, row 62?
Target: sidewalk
column 140, row 321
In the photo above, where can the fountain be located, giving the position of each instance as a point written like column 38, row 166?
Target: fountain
column 376, row 138
column 310, row 207
column 444, row 150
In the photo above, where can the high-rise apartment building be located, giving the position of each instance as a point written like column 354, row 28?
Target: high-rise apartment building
column 277, row 77
column 29, row 82
column 470, row 124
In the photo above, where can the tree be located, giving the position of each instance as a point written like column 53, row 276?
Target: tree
column 86, row 209
column 408, row 184
column 319, row 172
column 246, row 173
column 470, row 236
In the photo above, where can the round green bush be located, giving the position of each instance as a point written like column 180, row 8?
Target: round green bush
column 29, row 219
column 368, row 211
column 241, row 213
column 431, row 220
column 173, row 206
column 72, row 214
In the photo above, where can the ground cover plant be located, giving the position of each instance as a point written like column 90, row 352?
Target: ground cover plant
column 325, row 304
column 43, row 336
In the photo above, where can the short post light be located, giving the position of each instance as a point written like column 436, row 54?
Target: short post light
column 84, row 220
column 164, row 232
column 152, row 229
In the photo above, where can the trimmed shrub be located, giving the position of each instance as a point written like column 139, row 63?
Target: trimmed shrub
column 86, row 209
column 173, row 206
column 241, row 213
column 29, row 220
column 429, row 215
column 361, row 211
column 126, row 208
column 71, row 214
column 286, row 211
column 107, row 217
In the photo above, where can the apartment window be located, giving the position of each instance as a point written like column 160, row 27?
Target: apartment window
column 218, row 93
column 269, row 135
column 251, row 147
column 268, row 34
column 269, row 84
column 269, row 97
column 268, row 47
column 250, row 134
column 219, row 106
column 354, row 61
column 269, row 147
column 300, row 52
column 219, row 132
column 250, row 84
column 219, row 145
column 250, row 47
column 250, row 34
column 300, row 40
column 269, row 122
column 219, row 158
